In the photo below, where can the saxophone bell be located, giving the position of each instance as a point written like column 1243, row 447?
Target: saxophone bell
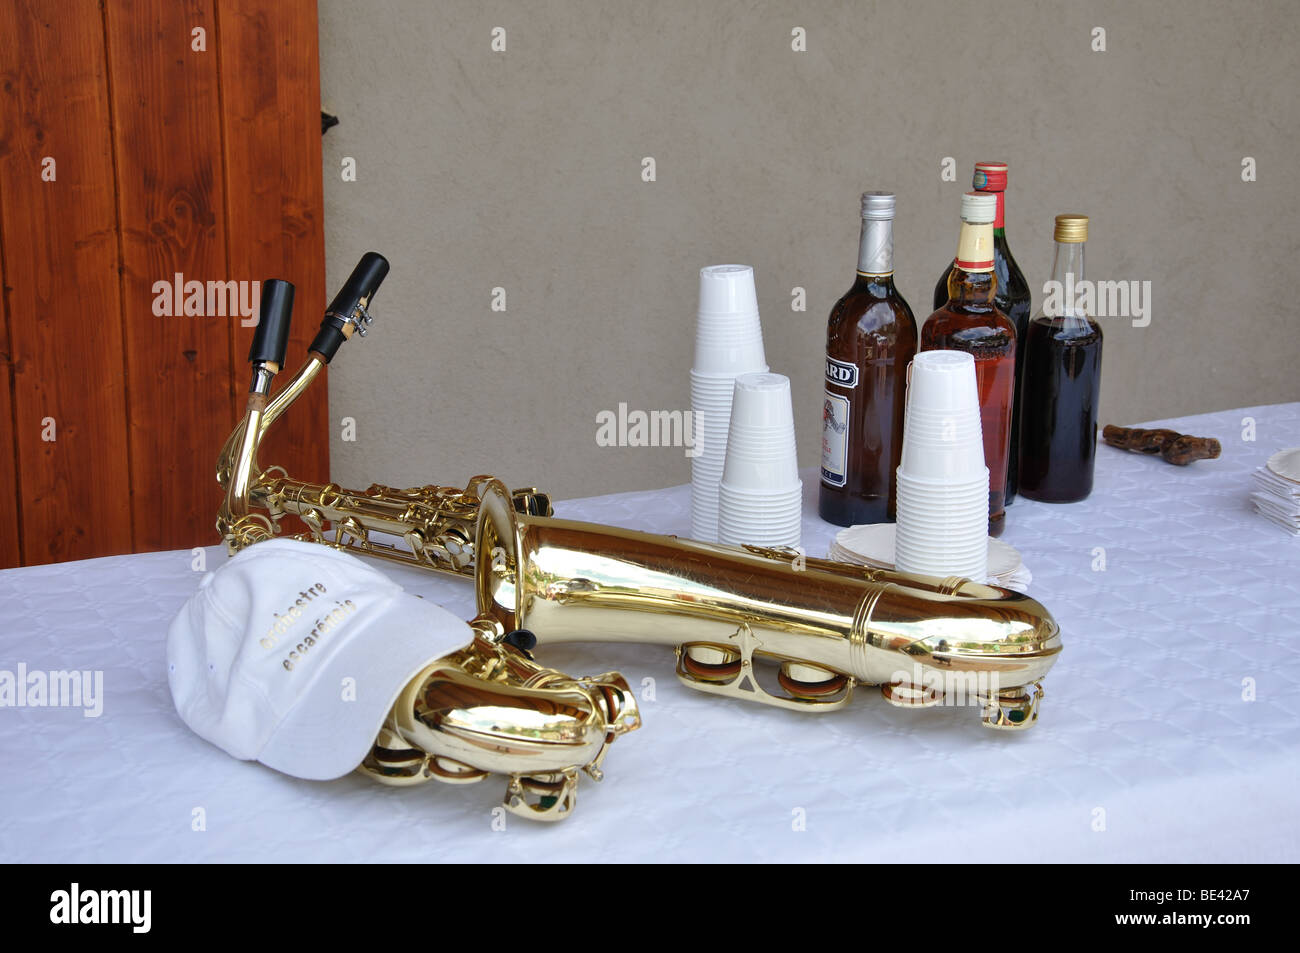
column 490, row 709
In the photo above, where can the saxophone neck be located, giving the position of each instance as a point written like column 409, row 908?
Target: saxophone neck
column 237, row 468
column 240, row 467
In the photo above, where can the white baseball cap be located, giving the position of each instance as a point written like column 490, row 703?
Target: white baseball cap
column 259, row 659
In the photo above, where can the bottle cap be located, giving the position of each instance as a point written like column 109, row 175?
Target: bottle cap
column 978, row 208
column 878, row 206
column 990, row 176
column 1071, row 228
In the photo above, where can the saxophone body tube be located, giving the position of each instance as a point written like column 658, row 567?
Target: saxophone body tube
column 725, row 608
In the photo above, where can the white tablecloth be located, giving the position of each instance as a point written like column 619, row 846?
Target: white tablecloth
column 1147, row 747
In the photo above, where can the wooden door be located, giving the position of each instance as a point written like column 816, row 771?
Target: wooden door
column 146, row 145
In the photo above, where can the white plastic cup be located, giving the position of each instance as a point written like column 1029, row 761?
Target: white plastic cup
column 728, row 332
column 760, row 442
column 760, row 499
column 941, row 381
column 740, row 509
column 945, row 543
column 930, row 501
column 942, row 482
column 956, row 517
column 973, row 566
column 740, row 521
column 704, row 515
column 943, row 547
column 762, row 401
column 968, row 560
column 968, row 567
column 782, row 523
column 709, row 429
column 728, row 343
column 944, row 430
column 727, row 290
column 924, row 503
column 749, row 494
column 942, row 438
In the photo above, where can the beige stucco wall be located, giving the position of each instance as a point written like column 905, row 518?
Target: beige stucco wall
column 523, row 170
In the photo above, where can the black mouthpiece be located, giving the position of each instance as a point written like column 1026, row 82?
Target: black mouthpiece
column 359, row 290
column 521, row 639
column 272, row 334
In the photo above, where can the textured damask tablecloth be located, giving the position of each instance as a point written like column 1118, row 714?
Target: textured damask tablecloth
column 1170, row 729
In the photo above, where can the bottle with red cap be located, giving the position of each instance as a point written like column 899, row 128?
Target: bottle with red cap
column 970, row 321
column 1012, row 299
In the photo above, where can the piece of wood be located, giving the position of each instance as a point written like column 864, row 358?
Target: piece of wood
column 270, row 101
column 1170, row 445
column 167, row 133
column 61, row 290
column 10, row 519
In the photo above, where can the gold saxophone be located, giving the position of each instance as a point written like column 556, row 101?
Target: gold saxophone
column 760, row 624
column 488, row 708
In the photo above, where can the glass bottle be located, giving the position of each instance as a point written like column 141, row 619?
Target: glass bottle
column 970, row 321
column 1012, row 298
column 1058, row 405
column 870, row 340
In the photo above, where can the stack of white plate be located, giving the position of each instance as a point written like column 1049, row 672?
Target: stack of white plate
column 1277, row 494
column 873, row 545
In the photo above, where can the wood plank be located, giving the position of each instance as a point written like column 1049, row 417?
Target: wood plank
column 10, row 519
column 270, row 95
column 166, row 128
column 61, row 282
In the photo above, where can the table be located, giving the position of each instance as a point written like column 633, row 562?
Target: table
column 1170, row 729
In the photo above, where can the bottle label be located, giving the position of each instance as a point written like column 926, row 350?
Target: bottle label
column 835, row 438
column 841, row 374
column 975, row 247
column 999, row 216
column 876, row 248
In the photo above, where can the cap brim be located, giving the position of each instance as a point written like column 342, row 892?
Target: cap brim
column 332, row 727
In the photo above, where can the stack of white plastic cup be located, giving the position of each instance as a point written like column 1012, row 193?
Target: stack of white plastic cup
column 728, row 343
column 760, row 498
column 943, row 484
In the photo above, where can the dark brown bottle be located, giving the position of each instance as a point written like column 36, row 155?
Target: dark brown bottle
column 1012, row 299
column 870, row 340
column 970, row 321
column 1058, row 404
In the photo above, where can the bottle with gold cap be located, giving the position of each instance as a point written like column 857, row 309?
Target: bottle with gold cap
column 970, row 321
column 1058, row 403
